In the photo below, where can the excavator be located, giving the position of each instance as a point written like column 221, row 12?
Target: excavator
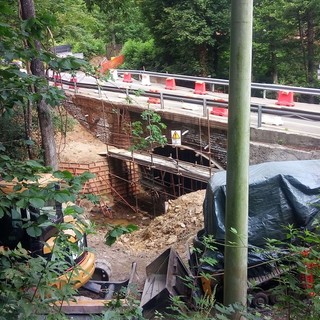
column 83, row 270
column 13, row 232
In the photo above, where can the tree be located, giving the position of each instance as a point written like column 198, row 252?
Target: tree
column 287, row 33
column 27, row 96
column 123, row 20
column 305, row 15
column 37, row 69
column 196, row 29
column 73, row 24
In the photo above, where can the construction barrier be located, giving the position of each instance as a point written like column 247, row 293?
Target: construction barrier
column 57, row 80
column 285, row 98
column 170, row 83
column 73, row 83
column 200, row 87
column 114, row 74
column 154, row 100
column 222, row 112
column 127, row 77
column 145, row 81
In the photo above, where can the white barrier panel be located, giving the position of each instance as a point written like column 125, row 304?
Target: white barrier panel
column 145, row 81
column 114, row 74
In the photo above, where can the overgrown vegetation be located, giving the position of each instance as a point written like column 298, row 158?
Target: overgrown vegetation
column 29, row 279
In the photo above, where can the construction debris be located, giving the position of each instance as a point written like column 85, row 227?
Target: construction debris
column 181, row 221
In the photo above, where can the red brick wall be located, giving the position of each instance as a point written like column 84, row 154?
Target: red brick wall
column 109, row 179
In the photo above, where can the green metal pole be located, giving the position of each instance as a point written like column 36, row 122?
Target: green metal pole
column 236, row 250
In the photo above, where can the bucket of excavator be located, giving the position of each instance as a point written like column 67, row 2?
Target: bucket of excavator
column 167, row 277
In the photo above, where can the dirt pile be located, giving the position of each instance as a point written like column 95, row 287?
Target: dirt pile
column 184, row 218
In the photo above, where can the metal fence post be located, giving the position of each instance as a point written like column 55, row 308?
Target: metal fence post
column 161, row 100
column 204, row 107
column 259, row 116
column 264, row 94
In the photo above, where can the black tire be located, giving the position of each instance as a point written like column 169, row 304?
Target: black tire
column 260, row 300
column 273, row 299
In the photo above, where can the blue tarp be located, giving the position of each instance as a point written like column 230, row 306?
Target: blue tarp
column 280, row 193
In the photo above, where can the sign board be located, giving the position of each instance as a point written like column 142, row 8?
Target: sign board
column 176, row 137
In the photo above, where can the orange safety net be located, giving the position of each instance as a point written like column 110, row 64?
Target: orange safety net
column 111, row 64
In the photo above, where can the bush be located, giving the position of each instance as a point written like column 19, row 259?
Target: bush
column 139, row 55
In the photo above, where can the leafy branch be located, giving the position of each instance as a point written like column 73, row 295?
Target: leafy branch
column 148, row 133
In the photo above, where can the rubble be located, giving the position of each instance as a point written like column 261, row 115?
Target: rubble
column 183, row 219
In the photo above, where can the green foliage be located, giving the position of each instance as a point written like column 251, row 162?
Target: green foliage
column 25, row 286
column 191, row 36
column 27, row 280
column 13, row 135
column 152, row 127
column 285, row 32
column 139, row 55
column 298, row 290
column 127, row 308
column 116, row 231
column 73, row 24
column 124, row 20
column 21, row 92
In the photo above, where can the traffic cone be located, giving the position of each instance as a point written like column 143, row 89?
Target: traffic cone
column 127, row 77
column 200, row 87
column 285, row 98
column 170, row 83
column 73, row 83
column 154, row 100
column 145, row 81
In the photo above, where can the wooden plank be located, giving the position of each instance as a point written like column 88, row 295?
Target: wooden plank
column 86, row 306
column 186, row 169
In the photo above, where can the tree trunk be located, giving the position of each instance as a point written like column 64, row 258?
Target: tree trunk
column 274, row 71
column 44, row 110
column 310, row 52
column 27, row 113
column 203, row 59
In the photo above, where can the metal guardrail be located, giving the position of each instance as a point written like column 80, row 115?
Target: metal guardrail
column 205, row 102
column 260, row 86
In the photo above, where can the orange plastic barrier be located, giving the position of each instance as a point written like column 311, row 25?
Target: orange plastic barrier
column 170, row 84
column 285, row 98
column 222, row 112
column 200, row 87
column 114, row 63
column 154, row 100
column 127, row 77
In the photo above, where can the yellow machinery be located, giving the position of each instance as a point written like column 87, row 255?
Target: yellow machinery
column 12, row 232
